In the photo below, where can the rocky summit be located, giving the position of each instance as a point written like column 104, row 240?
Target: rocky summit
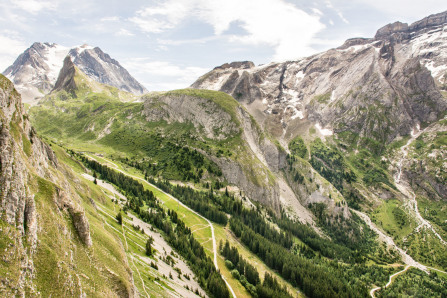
column 35, row 72
column 398, row 75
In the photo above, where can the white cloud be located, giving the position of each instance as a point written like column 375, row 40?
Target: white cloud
column 34, row 6
column 167, row 15
column 10, row 47
column 329, row 5
column 163, row 68
column 124, row 32
column 342, row 17
column 110, row 19
column 163, row 75
column 317, row 11
column 178, row 42
column 274, row 23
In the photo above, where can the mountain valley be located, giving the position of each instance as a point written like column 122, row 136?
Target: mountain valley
column 320, row 177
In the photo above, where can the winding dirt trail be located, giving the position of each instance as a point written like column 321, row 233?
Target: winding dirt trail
column 407, row 259
column 390, row 281
column 412, row 205
column 184, row 206
column 125, row 241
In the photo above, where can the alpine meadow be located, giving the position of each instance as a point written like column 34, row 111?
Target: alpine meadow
column 319, row 176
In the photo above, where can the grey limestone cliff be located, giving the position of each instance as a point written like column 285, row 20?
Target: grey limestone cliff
column 397, row 76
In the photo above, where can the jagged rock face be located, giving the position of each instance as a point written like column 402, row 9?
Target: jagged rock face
column 390, row 29
column 425, row 166
column 377, row 88
column 63, row 201
column 425, row 39
column 23, row 157
column 14, row 176
column 65, row 80
column 206, row 117
column 36, row 70
column 100, row 67
column 430, row 21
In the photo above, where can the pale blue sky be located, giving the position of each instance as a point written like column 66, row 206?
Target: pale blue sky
column 168, row 44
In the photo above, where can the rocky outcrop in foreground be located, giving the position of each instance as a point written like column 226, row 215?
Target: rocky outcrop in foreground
column 27, row 165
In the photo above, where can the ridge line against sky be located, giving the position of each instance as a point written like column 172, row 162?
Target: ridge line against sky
column 168, row 44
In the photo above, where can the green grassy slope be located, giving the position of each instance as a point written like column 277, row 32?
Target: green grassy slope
column 101, row 122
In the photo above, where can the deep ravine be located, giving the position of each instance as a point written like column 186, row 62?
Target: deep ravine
column 411, row 203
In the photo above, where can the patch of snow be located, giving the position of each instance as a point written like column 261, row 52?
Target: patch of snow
column 295, row 100
column 84, row 47
column 355, row 48
column 421, row 43
column 436, row 70
column 332, row 96
column 55, row 59
column 300, row 75
column 291, row 92
column 415, row 130
column 297, row 113
column 215, row 85
column 324, row 131
column 264, row 101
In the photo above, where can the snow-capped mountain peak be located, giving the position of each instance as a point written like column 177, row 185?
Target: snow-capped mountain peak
column 55, row 58
column 36, row 70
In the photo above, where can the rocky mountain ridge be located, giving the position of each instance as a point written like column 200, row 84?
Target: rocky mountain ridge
column 340, row 141
column 344, row 89
column 255, row 165
column 103, row 69
column 424, row 25
column 364, row 99
column 35, row 71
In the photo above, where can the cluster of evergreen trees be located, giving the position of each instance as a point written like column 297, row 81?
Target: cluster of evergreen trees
column 300, row 264
column 252, row 219
column 214, row 207
column 306, row 234
column 173, row 161
column 134, row 191
column 178, row 235
column 249, row 276
column 315, row 280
